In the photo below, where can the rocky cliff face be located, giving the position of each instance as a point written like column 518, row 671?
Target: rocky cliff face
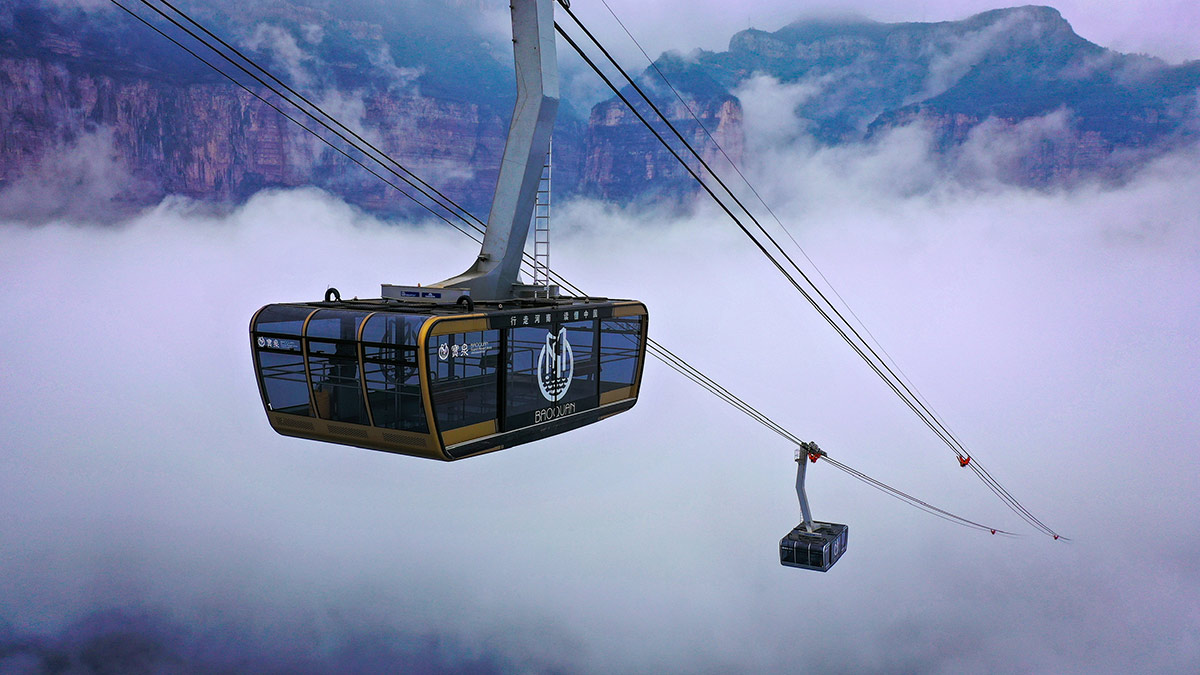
column 1052, row 106
column 173, row 126
column 625, row 161
column 97, row 105
column 217, row 142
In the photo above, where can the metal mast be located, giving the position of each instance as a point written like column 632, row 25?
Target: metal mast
column 494, row 273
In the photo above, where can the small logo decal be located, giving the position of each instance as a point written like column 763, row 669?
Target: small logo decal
column 443, row 351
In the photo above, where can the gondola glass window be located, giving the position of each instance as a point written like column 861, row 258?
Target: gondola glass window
column 551, row 372
column 280, row 359
column 333, row 365
column 463, row 377
column 581, row 341
column 619, row 349
column 390, row 367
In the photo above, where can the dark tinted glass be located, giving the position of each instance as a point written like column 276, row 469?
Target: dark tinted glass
column 393, row 385
column 282, row 319
column 619, row 349
column 464, row 383
column 550, row 366
column 335, row 324
column 393, row 329
column 521, row 390
column 333, row 365
column 337, row 394
column 284, row 381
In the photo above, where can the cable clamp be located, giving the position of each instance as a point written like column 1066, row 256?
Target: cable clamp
column 810, row 450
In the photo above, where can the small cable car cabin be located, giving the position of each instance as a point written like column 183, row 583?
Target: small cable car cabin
column 815, row 550
column 436, row 381
column 811, row 545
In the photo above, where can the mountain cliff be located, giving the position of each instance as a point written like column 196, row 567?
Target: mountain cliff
column 95, row 103
column 1099, row 111
column 96, row 81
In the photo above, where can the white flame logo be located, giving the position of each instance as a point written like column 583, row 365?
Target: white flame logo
column 556, row 366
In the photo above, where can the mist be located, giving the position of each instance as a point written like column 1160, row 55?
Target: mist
column 152, row 518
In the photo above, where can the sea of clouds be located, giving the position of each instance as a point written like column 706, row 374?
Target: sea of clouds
column 150, row 518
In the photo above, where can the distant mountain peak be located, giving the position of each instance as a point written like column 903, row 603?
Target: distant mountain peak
column 1031, row 20
column 1041, row 13
column 848, row 79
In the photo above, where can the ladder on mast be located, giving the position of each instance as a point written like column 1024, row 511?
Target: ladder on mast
column 541, row 229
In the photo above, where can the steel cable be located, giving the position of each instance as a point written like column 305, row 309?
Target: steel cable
column 877, row 363
column 455, row 210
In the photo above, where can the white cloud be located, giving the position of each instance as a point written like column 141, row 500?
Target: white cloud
column 82, row 181
column 955, row 59
column 1054, row 331
column 80, row 4
column 282, row 45
column 770, row 107
column 999, row 151
column 401, row 80
column 313, row 33
column 349, row 108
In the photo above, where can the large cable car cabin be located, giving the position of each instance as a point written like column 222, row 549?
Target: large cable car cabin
column 475, row 363
column 436, row 381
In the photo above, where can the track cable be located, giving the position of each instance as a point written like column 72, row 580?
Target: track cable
column 456, row 211
column 842, row 326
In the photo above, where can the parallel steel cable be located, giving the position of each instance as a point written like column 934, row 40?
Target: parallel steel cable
column 924, row 506
column 762, row 248
column 286, row 115
column 657, row 350
column 960, row 450
column 452, row 205
column 745, row 408
column 690, row 372
column 275, row 91
column 979, row 470
column 854, row 473
column 915, row 403
column 874, row 358
column 716, row 144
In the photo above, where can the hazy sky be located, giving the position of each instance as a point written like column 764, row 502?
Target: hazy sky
column 147, row 509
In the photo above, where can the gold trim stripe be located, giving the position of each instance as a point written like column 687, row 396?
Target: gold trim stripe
column 312, row 404
column 471, row 323
column 357, row 435
column 628, row 309
column 362, row 367
column 426, row 394
column 469, row 432
column 616, row 395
